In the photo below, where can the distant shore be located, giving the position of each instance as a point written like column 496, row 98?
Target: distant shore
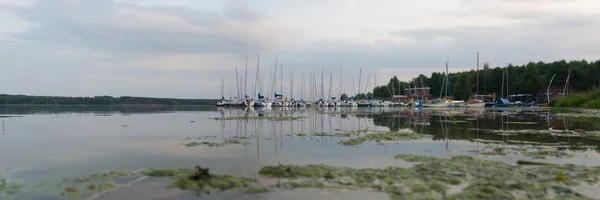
column 8, row 99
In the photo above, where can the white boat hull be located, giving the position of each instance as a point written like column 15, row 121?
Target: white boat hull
column 476, row 105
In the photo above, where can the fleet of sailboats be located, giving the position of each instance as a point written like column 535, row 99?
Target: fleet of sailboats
column 316, row 96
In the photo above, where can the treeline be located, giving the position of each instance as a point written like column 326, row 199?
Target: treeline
column 6, row 99
column 531, row 78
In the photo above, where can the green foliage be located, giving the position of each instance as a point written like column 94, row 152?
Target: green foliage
column 463, row 88
column 531, row 78
column 393, row 87
column 6, row 99
column 360, row 96
column 589, row 100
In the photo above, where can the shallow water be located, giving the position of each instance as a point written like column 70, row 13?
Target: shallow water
column 39, row 143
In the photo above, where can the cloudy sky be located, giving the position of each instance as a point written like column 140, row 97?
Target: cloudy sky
column 183, row 48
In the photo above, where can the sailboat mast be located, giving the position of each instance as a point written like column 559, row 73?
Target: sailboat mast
column 273, row 85
column 281, row 77
column 257, row 75
column 548, row 91
column 246, row 79
column 291, row 85
column 447, row 83
column 502, row 89
column 237, row 81
column 477, row 93
column 567, row 83
column 359, row 77
column 367, row 85
column 322, row 83
column 222, row 88
column 330, row 82
column 302, row 86
column 341, row 82
column 507, row 94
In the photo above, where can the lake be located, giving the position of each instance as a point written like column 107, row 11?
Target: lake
column 41, row 146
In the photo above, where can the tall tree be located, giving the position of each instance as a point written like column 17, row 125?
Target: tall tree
column 463, row 87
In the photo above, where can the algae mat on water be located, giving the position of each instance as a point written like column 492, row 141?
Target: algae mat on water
column 380, row 137
column 458, row 177
column 197, row 180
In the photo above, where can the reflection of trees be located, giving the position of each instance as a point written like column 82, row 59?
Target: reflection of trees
column 461, row 129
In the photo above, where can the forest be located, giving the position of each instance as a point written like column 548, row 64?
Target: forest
column 6, row 99
column 531, row 78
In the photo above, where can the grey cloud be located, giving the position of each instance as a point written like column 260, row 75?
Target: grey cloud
column 124, row 27
column 540, row 37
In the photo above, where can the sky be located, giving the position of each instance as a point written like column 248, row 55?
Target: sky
column 184, row 48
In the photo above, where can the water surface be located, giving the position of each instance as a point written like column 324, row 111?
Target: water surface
column 39, row 143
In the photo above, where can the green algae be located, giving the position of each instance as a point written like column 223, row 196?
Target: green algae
column 217, row 144
column 459, row 177
column 260, row 118
column 8, row 188
column 534, row 152
column 379, row 137
column 257, row 190
column 197, row 180
column 200, row 180
column 100, row 176
column 163, row 172
column 333, row 134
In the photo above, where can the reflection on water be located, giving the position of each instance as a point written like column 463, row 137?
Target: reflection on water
column 57, row 142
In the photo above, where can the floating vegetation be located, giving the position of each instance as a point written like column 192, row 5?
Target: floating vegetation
column 453, row 121
column 379, row 137
column 525, row 123
column 99, row 176
column 260, row 118
column 217, row 144
column 197, row 179
column 539, row 152
column 333, row 134
column 200, row 180
column 357, row 132
column 559, row 133
column 8, row 188
column 458, row 177
column 88, row 187
column 257, row 190
column 582, row 113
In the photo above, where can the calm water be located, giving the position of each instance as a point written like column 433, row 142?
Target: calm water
column 40, row 143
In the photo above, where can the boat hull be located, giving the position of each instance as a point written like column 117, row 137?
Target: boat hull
column 476, row 105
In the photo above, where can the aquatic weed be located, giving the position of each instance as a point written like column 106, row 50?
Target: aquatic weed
column 257, row 190
column 433, row 177
column 388, row 136
column 217, row 144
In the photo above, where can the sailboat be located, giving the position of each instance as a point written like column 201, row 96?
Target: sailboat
column 440, row 103
column 502, row 102
column 222, row 102
column 474, row 102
